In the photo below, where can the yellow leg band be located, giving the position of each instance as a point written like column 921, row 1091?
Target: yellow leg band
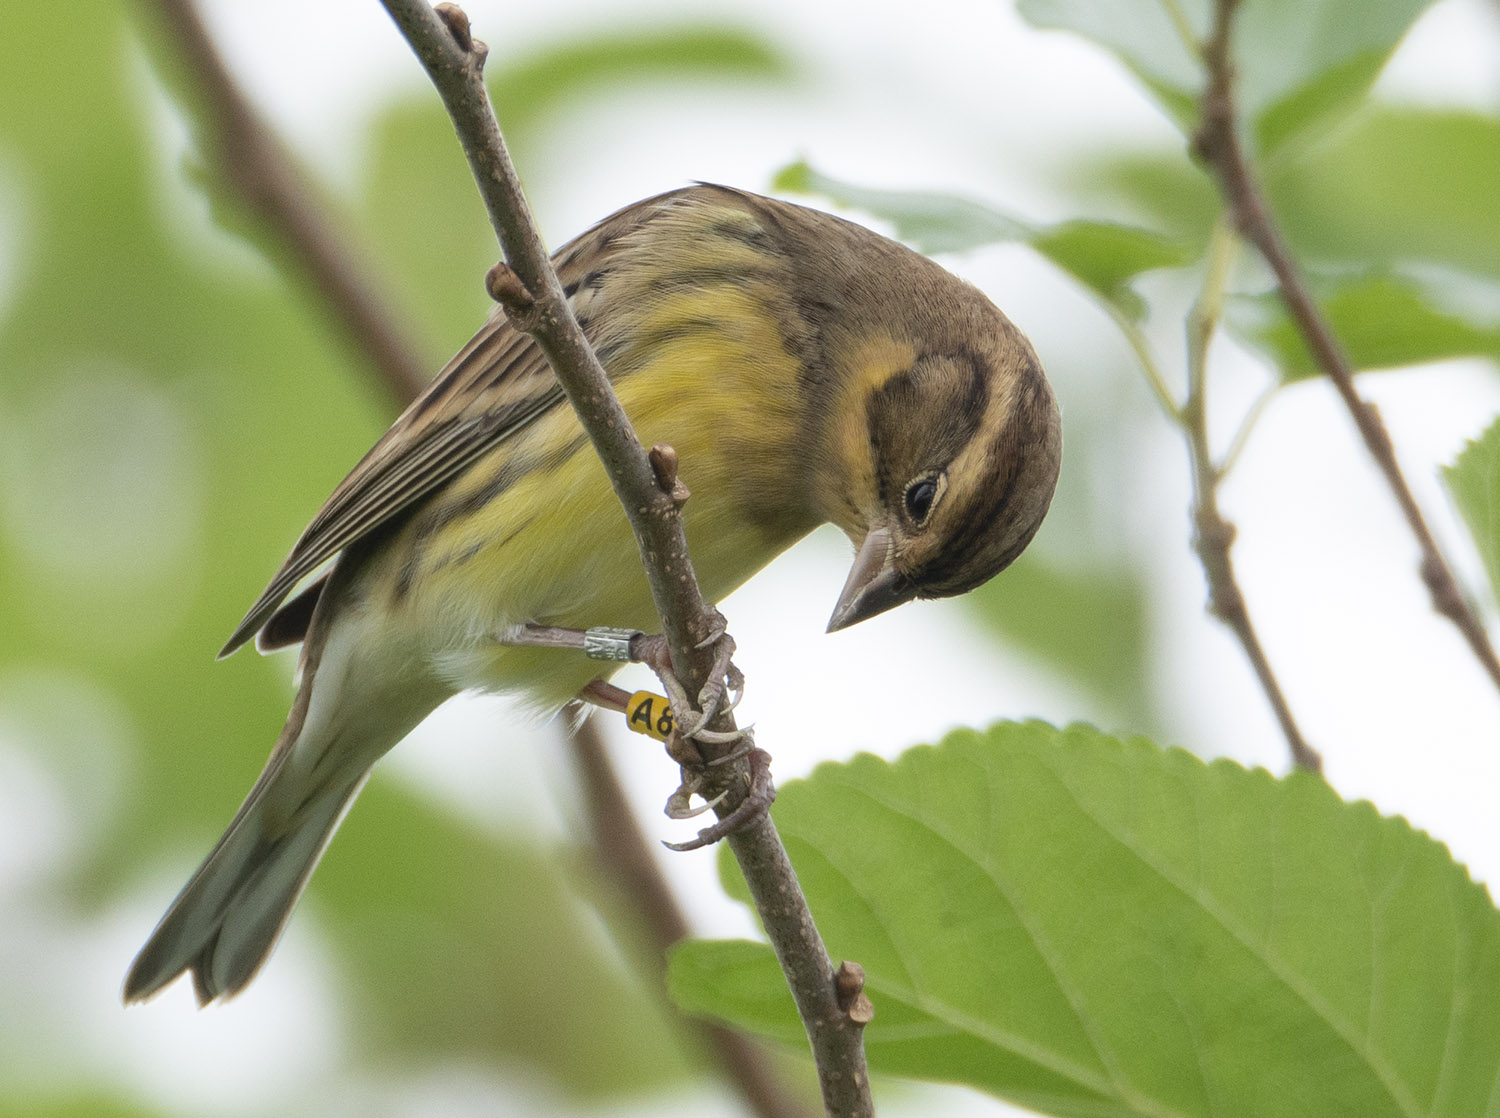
column 649, row 714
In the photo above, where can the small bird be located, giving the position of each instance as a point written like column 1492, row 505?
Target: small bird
column 806, row 369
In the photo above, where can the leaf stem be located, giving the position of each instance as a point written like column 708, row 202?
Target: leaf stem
column 1140, row 345
column 1183, row 26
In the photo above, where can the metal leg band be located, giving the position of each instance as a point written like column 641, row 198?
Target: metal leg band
column 605, row 643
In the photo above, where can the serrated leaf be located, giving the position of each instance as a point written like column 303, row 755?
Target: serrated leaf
column 1383, row 321
column 1474, row 482
column 1090, row 926
column 1297, row 62
column 1103, row 256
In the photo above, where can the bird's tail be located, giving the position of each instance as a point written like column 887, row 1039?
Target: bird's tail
column 226, row 920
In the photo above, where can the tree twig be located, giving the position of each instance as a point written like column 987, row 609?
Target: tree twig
column 257, row 168
column 1213, row 536
column 1219, row 145
column 631, row 868
column 278, row 192
column 454, row 61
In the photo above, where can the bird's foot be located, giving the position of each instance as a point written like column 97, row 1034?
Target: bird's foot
column 756, row 804
column 725, row 681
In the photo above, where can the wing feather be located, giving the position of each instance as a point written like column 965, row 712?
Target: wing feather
column 496, row 385
column 493, row 387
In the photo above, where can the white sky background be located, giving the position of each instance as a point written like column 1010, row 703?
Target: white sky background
column 953, row 95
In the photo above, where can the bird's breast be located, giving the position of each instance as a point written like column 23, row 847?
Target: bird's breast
column 534, row 532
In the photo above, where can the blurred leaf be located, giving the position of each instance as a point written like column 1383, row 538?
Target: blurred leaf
column 1399, row 185
column 1090, row 926
column 1091, row 625
column 1297, row 62
column 171, row 413
column 465, row 945
column 1396, row 187
column 158, row 384
column 1105, row 257
column 930, row 223
column 1102, row 256
column 1474, row 482
column 1383, row 321
column 83, row 1105
column 421, row 211
column 526, row 91
column 1143, row 34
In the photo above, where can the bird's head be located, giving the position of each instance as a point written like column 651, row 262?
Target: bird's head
column 963, row 452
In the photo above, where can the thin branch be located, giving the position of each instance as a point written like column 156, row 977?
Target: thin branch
column 454, row 61
column 1241, row 437
column 1146, row 358
column 305, row 231
column 257, row 168
column 1218, row 144
column 631, row 868
column 1213, row 536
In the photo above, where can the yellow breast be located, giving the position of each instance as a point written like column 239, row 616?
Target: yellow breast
column 534, row 532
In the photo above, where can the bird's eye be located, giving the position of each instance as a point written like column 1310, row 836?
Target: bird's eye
column 919, row 497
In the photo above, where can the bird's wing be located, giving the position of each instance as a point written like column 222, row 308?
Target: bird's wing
column 496, row 385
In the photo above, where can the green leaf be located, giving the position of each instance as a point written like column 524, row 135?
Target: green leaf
column 1105, row 257
column 929, row 222
column 1101, row 255
column 1396, row 187
column 1297, row 62
column 422, row 214
column 85, row 1104
column 1474, row 482
column 1384, row 321
column 1144, row 35
column 1399, row 186
column 528, row 90
column 1091, row 926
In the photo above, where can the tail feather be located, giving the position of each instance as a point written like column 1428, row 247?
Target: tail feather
column 225, row 922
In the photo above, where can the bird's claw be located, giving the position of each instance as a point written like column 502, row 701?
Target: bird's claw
column 757, row 803
column 679, row 803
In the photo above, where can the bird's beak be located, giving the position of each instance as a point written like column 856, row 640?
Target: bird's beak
column 874, row 584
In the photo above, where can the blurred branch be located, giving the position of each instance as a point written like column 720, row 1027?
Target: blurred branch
column 257, row 168
column 630, row 867
column 256, row 165
column 1218, row 145
column 1213, row 536
column 533, row 296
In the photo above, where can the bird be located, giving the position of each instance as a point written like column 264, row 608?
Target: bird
column 806, row 369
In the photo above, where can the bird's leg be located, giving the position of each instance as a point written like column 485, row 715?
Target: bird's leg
column 697, row 773
column 631, row 645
